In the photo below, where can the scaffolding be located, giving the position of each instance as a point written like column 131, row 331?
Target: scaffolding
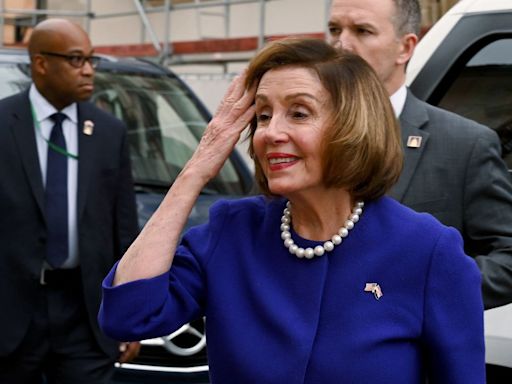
column 24, row 19
column 142, row 8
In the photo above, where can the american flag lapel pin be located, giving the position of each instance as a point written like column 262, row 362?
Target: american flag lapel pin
column 414, row 141
column 375, row 289
column 88, row 127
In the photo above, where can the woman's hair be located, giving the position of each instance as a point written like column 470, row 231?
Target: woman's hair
column 362, row 151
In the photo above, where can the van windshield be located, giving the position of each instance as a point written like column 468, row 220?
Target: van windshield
column 164, row 127
column 164, row 123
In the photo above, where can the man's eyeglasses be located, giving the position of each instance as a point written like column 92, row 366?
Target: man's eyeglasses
column 76, row 61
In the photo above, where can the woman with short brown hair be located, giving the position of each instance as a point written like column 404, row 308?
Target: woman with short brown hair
column 363, row 134
column 325, row 280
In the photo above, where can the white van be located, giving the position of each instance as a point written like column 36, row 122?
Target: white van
column 464, row 64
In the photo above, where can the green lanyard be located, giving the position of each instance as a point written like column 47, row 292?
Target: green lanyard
column 53, row 146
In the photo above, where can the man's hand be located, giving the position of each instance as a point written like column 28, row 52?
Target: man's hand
column 128, row 351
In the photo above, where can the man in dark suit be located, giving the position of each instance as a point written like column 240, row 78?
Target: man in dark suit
column 67, row 214
column 453, row 167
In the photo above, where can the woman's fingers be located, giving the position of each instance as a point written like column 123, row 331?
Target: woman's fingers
column 234, row 114
column 236, row 100
column 236, row 108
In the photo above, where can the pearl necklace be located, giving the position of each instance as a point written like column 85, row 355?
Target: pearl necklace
column 319, row 250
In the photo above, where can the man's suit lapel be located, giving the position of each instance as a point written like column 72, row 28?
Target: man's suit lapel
column 22, row 127
column 412, row 121
column 86, row 156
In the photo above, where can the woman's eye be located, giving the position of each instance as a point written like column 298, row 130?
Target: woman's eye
column 262, row 117
column 299, row 115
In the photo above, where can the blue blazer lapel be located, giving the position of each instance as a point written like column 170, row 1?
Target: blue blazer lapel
column 22, row 127
column 86, row 156
column 413, row 119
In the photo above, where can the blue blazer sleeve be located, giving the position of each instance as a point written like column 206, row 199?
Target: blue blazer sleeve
column 453, row 315
column 158, row 306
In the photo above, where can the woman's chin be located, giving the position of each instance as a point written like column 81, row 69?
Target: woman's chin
column 280, row 189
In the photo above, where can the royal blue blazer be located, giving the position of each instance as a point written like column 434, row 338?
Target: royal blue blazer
column 274, row 318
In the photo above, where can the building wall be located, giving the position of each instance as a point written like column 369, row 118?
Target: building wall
column 432, row 10
column 302, row 16
column 9, row 29
column 280, row 17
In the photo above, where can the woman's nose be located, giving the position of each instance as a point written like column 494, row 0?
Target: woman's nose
column 275, row 130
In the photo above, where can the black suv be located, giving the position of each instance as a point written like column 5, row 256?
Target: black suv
column 165, row 122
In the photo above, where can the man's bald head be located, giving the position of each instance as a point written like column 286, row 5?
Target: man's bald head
column 49, row 32
column 57, row 49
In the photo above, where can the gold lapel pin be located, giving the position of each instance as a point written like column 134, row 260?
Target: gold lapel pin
column 375, row 289
column 88, row 127
column 414, row 141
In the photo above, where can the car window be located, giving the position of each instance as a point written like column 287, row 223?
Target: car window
column 482, row 90
column 164, row 127
column 13, row 79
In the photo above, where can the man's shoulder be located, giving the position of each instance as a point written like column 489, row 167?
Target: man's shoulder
column 14, row 100
column 439, row 121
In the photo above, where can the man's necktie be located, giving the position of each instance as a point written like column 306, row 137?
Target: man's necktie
column 56, row 195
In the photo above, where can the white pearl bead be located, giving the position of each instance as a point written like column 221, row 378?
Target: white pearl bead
column 328, row 246
column 336, row 239
column 288, row 243
column 309, row 253
column 319, row 250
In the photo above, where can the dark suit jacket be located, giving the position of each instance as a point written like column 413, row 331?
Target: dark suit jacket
column 106, row 213
column 458, row 176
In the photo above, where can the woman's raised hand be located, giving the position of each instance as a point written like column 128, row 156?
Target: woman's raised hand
column 152, row 253
column 223, row 132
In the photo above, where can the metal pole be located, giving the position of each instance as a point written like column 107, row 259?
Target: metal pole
column 261, row 36
column 167, row 49
column 44, row 12
column 198, row 20
column 327, row 15
column 227, row 10
column 2, row 23
column 175, row 7
column 147, row 25
column 35, row 18
column 88, row 17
